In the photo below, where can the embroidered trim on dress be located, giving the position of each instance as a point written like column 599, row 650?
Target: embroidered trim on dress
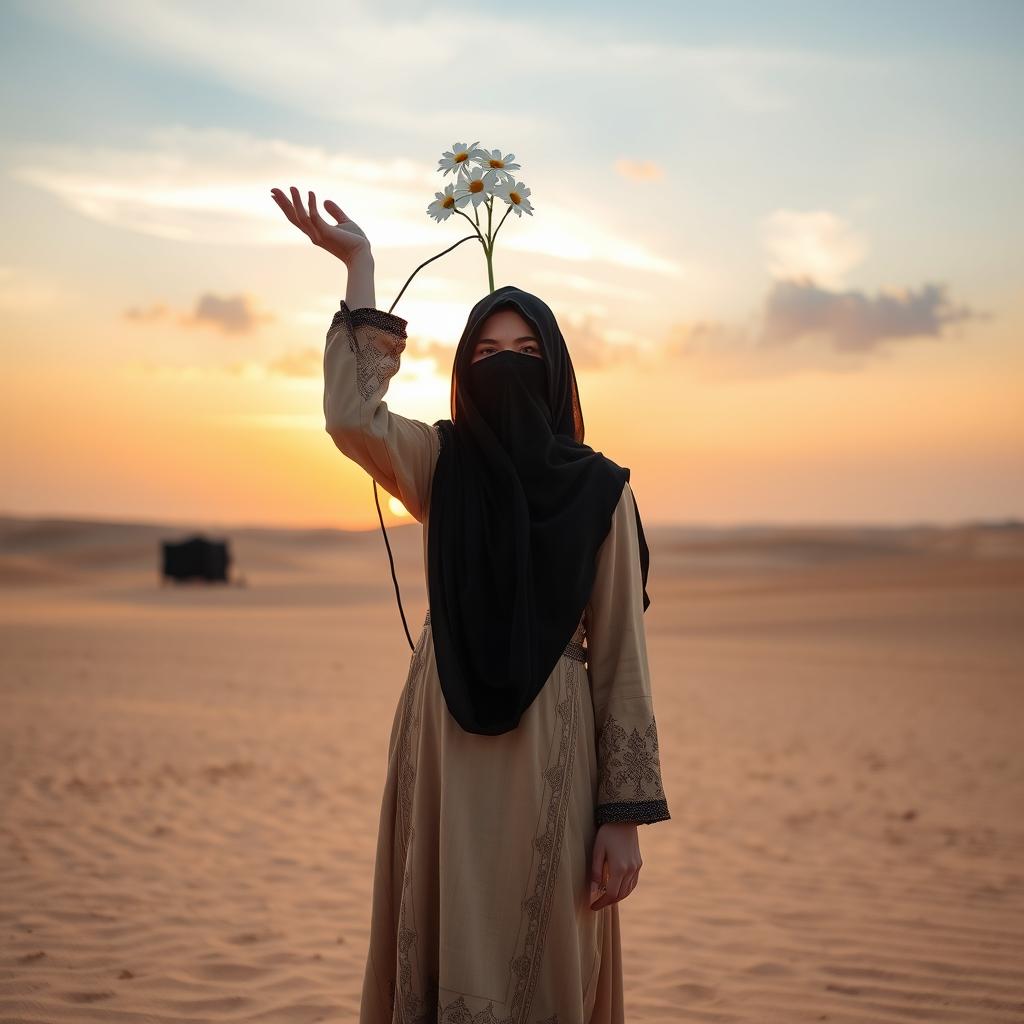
column 390, row 323
column 642, row 812
column 457, row 1012
column 374, row 366
column 412, row 1007
column 628, row 763
column 549, row 846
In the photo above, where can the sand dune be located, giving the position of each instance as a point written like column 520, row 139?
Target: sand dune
column 191, row 775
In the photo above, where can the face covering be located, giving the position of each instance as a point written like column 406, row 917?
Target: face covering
column 509, row 391
column 519, row 507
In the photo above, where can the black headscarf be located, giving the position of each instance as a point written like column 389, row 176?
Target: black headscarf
column 519, row 507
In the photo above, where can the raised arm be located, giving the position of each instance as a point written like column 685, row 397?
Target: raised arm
column 362, row 354
column 629, row 765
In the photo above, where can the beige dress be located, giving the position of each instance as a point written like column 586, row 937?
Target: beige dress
column 481, row 895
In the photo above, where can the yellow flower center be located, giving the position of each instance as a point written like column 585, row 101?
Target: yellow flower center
column 496, row 163
column 448, row 201
column 459, row 157
column 515, row 197
column 476, row 186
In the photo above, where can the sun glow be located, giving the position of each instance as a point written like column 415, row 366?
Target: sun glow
column 397, row 508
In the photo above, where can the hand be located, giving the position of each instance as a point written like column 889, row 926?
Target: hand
column 615, row 863
column 346, row 239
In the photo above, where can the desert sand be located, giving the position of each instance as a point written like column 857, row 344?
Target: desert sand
column 190, row 775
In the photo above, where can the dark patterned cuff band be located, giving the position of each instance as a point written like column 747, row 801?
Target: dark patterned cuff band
column 389, row 322
column 641, row 812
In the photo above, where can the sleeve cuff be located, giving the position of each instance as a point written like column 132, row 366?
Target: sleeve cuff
column 378, row 318
column 640, row 812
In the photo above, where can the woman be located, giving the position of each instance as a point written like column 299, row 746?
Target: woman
column 520, row 761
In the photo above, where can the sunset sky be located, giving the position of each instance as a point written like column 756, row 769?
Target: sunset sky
column 783, row 242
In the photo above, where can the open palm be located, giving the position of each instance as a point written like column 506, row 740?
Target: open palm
column 346, row 239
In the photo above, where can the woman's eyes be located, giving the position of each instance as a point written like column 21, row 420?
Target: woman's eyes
column 491, row 348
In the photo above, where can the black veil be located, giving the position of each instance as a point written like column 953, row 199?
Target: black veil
column 519, row 507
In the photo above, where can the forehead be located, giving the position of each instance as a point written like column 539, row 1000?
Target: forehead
column 506, row 322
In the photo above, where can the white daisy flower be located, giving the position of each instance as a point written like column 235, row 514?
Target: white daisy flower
column 514, row 193
column 457, row 158
column 475, row 186
column 502, row 166
column 443, row 205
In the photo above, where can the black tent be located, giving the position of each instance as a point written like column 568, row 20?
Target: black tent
column 196, row 557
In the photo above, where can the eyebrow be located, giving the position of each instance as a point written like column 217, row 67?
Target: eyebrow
column 525, row 337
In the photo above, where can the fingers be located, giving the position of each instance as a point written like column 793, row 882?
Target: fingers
column 616, row 854
column 618, row 886
column 286, row 204
column 300, row 212
column 627, row 884
column 314, row 215
column 613, row 875
column 335, row 211
column 597, row 859
column 296, row 212
column 311, row 223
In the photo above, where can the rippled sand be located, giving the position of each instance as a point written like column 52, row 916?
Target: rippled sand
column 190, row 777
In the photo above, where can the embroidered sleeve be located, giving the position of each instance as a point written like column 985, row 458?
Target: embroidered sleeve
column 628, row 760
column 363, row 352
column 629, row 769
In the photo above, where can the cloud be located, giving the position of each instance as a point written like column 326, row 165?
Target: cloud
column 851, row 321
column 230, row 315
column 808, row 318
column 605, row 286
column 594, row 345
column 639, row 170
column 233, row 315
column 812, row 243
column 369, row 59
column 153, row 314
column 353, row 88
column 802, row 325
column 212, row 187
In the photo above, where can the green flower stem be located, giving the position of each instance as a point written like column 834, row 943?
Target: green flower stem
column 431, row 260
column 462, row 213
column 486, row 242
column 490, row 244
column 498, row 228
